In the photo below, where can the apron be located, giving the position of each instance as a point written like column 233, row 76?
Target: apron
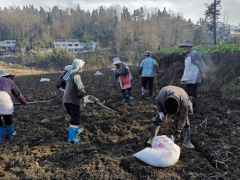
column 125, row 81
column 190, row 72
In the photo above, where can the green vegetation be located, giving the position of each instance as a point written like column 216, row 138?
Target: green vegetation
column 219, row 48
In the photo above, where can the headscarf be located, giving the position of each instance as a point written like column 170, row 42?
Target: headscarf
column 76, row 65
column 68, row 67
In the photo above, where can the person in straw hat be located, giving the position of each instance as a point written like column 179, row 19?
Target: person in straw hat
column 7, row 89
column 194, row 70
column 74, row 92
column 121, row 71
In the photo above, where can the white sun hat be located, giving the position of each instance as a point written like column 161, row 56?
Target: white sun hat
column 116, row 60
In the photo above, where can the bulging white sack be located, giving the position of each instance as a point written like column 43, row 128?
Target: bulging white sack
column 164, row 152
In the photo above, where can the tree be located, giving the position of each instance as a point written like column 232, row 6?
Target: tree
column 212, row 15
column 199, row 36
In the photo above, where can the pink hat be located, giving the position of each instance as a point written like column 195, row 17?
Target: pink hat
column 116, row 61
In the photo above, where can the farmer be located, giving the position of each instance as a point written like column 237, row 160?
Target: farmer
column 148, row 69
column 173, row 100
column 72, row 98
column 194, row 70
column 122, row 71
column 7, row 89
column 61, row 84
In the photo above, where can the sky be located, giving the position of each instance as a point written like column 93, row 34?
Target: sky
column 193, row 9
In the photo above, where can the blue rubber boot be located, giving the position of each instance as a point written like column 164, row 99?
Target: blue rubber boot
column 130, row 95
column 150, row 93
column 124, row 96
column 65, row 110
column 2, row 134
column 73, row 131
column 10, row 131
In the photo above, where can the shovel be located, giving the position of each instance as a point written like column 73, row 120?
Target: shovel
column 35, row 102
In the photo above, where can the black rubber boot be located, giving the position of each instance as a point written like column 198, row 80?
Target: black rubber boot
column 154, row 132
column 193, row 100
column 186, row 138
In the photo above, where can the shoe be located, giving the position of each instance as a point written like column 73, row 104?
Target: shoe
column 142, row 96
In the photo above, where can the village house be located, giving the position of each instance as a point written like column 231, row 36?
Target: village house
column 7, row 45
column 74, row 46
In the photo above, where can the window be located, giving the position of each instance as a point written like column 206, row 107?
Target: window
column 70, row 45
column 76, row 44
column 8, row 42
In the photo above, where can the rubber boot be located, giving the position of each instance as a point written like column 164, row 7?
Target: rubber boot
column 143, row 92
column 2, row 134
column 186, row 138
column 193, row 100
column 65, row 110
column 154, row 132
column 123, row 97
column 150, row 96
column 10, row 131
column 73, row 131
column 150, row 93
column 130, row 95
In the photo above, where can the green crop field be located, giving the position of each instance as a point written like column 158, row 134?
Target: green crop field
column 219, row 48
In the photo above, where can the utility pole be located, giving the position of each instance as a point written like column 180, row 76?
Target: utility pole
column 214, row 23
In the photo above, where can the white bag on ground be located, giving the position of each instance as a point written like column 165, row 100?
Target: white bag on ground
column 164, row 152
column 44, row 80
column 98, row 73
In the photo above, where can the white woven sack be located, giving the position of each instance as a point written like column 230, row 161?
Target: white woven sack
column 163, row 153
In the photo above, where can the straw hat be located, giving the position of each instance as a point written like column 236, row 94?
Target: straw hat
column 5, row 73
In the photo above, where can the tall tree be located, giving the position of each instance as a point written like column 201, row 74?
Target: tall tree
column 212, row 15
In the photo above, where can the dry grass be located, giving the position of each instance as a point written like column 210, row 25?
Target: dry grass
column 20, row 70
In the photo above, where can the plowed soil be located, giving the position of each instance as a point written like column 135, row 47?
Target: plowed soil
column 40, row 149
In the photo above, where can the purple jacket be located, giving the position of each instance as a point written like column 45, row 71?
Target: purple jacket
column 11, row 88
column 185, row 103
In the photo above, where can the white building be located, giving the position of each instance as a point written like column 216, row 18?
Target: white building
column 74, row 46
column 8, row 45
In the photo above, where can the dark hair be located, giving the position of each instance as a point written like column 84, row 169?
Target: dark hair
column 171, row 104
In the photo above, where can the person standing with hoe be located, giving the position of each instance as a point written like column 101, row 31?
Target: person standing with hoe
column 74, row 92
column 7, row 89
column 194, row 70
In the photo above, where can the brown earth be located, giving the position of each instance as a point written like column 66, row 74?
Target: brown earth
column 109, row 140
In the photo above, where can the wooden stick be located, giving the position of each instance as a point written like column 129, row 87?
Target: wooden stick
column 34, row 102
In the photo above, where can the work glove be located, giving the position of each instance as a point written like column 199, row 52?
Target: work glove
column 204, row 76
column 177, row 135
column 81, row 93
column 161, row 116
column 120, row 73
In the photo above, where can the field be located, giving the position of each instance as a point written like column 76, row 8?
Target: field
column 109, row 140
